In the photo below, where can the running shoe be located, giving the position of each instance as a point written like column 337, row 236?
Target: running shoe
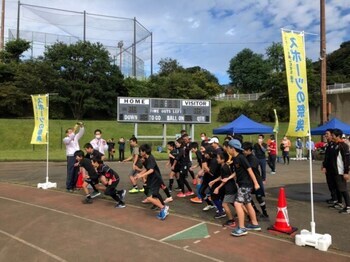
column 208, row 207
column 220, row 215
column 168, row 199
column 177, row 189
column 95, row 194
column 331, row 201
column 87, row 201
column 237, row 232
column 164, row 212
column 122, row 194
column 120, row 205
column 134, row 190
column 181, row 194
column 337, row 206
column 142, row 190
column 189, row 193
column 196, row 200
column 345, row 210
column 229, row 223
column 253, row 227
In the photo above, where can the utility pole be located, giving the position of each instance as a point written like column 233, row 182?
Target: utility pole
column 2, row 37
column 323, row 61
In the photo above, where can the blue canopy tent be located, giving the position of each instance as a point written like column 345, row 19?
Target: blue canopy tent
column 331, row 124
column 243, row 125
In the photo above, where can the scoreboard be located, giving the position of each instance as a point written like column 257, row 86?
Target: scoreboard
column 164, row 110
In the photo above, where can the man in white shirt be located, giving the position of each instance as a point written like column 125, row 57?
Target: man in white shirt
column 72, row 144
column 98, row 142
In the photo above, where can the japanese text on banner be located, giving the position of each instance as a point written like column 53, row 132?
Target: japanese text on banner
column 294, row 54
column 41, row 114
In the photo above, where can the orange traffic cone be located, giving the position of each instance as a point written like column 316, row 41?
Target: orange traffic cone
column 80, row 180
column 282, row 221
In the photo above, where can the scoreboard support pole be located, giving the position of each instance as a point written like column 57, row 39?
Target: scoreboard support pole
column 135, row 129
column 164, row 136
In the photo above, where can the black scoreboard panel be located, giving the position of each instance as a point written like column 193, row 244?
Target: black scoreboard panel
column 164, row 110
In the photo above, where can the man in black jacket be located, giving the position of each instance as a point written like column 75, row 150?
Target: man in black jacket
column 339, row 168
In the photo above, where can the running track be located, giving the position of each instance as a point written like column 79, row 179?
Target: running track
column 50, row 225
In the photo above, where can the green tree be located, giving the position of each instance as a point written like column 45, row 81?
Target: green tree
column 193, row 83
column 168, row 66
column 275, row 57
column 13, row 100
column 248, row 71
column 137, row 88
column 13, row 50
column 89, row 84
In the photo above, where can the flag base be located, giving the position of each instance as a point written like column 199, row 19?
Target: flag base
column 47, row 185
column 320, row 242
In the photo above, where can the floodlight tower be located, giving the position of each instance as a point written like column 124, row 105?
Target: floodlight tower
column 120, row 46
column 2, row 37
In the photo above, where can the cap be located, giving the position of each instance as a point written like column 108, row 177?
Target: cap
column 236, row 144
column 214, row 140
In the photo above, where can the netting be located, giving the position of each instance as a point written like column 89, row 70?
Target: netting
column 127, row 41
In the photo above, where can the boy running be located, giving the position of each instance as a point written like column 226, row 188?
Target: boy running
column 136, row 165
column 154, row 181
column 230, row 188
column 90, row 176
column 260, row 193
column 245, row 181
column 110, row 179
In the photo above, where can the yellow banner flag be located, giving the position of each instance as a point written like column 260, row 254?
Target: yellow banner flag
column 41, row 118
column 294, row 55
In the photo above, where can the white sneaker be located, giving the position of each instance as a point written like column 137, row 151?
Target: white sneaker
column 169, row 199
column 208, row 207
column 95, row 194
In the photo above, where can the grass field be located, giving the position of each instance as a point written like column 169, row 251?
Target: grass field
column 16, row 135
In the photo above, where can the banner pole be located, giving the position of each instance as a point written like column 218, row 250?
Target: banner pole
column 47, row 184
column 47, row 139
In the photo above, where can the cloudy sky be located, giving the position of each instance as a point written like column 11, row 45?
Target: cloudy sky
column 206, row 33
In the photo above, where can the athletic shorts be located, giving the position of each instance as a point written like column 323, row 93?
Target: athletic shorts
column 229, row 199
column 134, row 172
column 152, row 191
column 243, row 195
column 92, row 181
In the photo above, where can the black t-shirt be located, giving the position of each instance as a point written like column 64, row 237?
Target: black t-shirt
column 174, row 153
column 200, row 157
column 87, row 165
column 241, row 165
column 230, row 186
column 254, row 163
column 260, row 151
column 109, row 173
column 95, row 154
column 214, row 169
column 154, row 179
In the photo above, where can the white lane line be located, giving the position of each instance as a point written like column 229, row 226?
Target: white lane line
column 207, row 236
column 216, row 232
column 33, row 246
column 182, row 231
column 196, row 242
column 113, row 227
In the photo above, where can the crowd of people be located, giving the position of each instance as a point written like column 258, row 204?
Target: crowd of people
column 229, row 173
